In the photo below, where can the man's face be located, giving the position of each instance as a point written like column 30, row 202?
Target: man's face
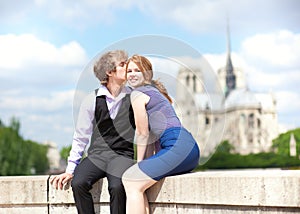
column 120, row 73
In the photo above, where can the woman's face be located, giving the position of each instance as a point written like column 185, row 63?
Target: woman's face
column 135, row 77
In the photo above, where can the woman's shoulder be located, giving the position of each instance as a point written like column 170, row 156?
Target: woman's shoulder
column 139, row 90
column 137, row 96
column 145, row 88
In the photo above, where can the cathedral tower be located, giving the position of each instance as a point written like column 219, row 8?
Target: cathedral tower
column 230, row 76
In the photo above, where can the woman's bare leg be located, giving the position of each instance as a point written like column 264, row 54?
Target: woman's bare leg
column 135, row 183
column 146, row 202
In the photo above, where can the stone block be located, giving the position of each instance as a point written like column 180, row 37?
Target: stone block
column 62, row 201
column 210, row 192
column 23, row 190
column 99, row 193
column 274, row 188
column 28, row 209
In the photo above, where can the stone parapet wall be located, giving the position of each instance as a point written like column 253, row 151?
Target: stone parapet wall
column 211, row 192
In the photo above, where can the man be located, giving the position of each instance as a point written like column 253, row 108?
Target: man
column 106, row 120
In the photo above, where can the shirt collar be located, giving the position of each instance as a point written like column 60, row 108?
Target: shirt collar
column 104, row 91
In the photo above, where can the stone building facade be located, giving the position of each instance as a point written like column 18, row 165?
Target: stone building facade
column 247, row 119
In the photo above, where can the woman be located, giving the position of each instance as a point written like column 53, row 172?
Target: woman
column 156, row 121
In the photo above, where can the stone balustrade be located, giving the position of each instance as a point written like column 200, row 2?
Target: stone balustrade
column 210, row 192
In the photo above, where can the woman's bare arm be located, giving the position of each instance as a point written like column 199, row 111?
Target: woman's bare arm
column 139, row 101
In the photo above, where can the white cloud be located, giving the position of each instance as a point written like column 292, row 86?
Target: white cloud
column 26, row 50
column 38, row 81
column 47, row 117
column 274, row 81
column 196, row 16
column 31, row 65
column 264, row 69
column 210, row 16
column 270, row 62
column 218, row 61
column 57, row 127
column 281, row 48
column 70, row 12
column 84, row 13
column 56, row 101
column 191, row 15
column 36, row 75
column 165, row 70
column 288, row 101
column 14, row 10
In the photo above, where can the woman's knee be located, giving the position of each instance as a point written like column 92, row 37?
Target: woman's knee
column 132, row 187
column 134, row 179
column 129, row 181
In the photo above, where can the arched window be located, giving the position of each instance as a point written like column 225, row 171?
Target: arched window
column 187, row 80
column 207, row 121
column 207, row 106
column 242, row 119
column 194, row 83
column 250, row 138
column 251, row 121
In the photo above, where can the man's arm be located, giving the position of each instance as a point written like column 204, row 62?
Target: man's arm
column 82, row 134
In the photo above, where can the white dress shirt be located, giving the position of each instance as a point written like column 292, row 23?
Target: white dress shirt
column 84, row 125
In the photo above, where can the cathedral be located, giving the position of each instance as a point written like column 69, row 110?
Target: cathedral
column 246, row 119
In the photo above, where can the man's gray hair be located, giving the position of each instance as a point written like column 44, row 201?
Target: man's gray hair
column 107, row 62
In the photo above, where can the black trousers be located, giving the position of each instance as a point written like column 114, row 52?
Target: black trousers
column 87, row 173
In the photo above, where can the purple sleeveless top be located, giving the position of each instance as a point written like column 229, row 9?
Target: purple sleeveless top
column 161, row 114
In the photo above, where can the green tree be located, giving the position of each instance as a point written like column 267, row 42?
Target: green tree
column 19, row 156
column 225, row 147
column 281, row 144
column 15, row 124
column 64, row 152
column 279, row 157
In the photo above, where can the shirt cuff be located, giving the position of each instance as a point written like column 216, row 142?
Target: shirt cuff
column 71, row 168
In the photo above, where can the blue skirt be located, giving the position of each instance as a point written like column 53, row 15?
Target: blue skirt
column 179, row 154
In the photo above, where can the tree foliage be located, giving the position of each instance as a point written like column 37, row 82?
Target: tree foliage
column 278, row 158
column 19, row 156
column 64, row 152
column 282, row 143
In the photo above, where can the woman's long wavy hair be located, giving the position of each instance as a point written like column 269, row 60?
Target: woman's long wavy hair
column 145, row 67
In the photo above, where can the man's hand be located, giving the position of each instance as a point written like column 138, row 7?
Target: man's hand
column 58, row 181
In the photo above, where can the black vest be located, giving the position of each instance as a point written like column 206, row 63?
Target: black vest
column 113, row 134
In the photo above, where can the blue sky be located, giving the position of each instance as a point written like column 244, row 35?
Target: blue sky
column 45, row 46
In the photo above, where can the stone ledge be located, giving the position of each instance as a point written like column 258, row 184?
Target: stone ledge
column 246, row 191
column 23, row 190
column 274, row 188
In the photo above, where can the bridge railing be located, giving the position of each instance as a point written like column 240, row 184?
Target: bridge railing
column 213, row 192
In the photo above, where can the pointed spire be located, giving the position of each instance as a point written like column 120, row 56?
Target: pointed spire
column 230, row 76
column 229, row 67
